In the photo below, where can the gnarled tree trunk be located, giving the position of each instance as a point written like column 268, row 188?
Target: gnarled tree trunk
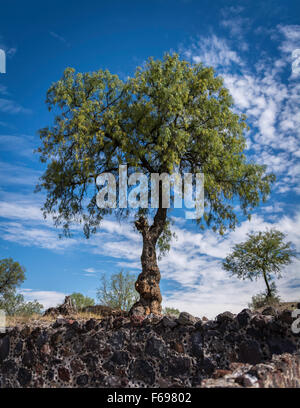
column 147, row 284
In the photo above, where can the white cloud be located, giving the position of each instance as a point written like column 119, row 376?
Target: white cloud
column 26, row 225
column 12, row 107
column 270, row 102
column 10, row 51
column 11, row 174
column 59, row 37
column 90, row 270
column 236, row 24
column 204, row 288
column 193, row 265
column 3, row 90
column 23, row 210
column 21, row 145
column 26, row 235
column 291, row 35
column 212, row 51
column 46, row 298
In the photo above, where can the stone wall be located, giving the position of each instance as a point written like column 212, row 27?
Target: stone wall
column 244, row 350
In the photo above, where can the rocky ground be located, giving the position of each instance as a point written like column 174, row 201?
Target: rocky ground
column 244, row 350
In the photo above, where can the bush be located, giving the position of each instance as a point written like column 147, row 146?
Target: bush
column 14, row 305
column 262, row 299
column 171, row 311
column 80, row 301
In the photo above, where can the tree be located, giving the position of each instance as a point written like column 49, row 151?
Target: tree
column 263, row 254
column 118, row 292
column 12, row 274
column 14, row 305
column 171, row 116
column 30, row 308
column 80, row 301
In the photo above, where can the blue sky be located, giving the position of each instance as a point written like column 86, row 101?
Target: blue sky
column 250, row 43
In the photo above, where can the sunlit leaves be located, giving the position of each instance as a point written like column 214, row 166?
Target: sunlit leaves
column 169, row 115
column 263, row 253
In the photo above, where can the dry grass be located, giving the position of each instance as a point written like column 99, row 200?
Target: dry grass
column 37, row 319
column 281, row 306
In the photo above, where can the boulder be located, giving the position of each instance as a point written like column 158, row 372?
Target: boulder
column 186, row 319
column 65, row 309
column 269, row 311
column 250, row 352
column 4, row 347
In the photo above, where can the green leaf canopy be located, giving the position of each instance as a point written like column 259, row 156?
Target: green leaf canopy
column 171, row 116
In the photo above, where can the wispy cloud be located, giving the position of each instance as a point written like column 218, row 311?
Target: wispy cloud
column 12, row 107
column 7, row 125
column 59, row 38
column 270, row 102
column 34, row 236
column 237, row 25
column 21, row 210
column 9, row 50
column 212, row 51
column 90, row 270
column 3, row 90
column 192, row 267
column 13, row 174
column 46, row 298
column 21, row 145
column 204, row 288
column 291, row 35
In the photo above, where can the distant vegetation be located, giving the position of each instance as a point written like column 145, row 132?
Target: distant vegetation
column 118, row 292
column 80, row 301
column 12, row 275
column 15, row 305
column 171, row 311
column 263, row 254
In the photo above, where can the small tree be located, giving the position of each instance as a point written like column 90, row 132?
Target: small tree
column 262, row 255
column 171, row 311
column 118, row 292
column 12, row 274
column 29, row 308
column 14, row 305
column 80, row 301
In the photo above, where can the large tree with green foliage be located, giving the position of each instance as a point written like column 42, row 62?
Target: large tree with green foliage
column 262, row 255
column 171, row 116
column 118, row 292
